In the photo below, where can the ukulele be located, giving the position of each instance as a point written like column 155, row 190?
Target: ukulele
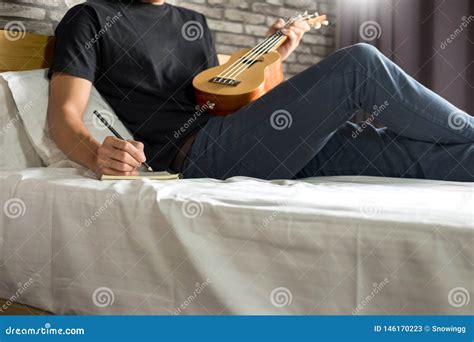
column 249, row 73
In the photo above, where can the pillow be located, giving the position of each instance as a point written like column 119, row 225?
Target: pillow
column 16, row 151
column 30, row 90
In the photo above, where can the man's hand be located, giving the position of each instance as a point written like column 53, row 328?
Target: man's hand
column 118, row 157
column 294, row 33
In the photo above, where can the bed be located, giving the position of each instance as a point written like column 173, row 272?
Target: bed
column 70, row 244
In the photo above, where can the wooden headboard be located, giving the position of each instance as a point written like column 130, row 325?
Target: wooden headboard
column 25, row 51
column 28, row 51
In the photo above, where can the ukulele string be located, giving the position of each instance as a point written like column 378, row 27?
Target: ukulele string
column 259, row 54
column 252, row 58
column 238, row 62
column 269, row 46
column 247, row 60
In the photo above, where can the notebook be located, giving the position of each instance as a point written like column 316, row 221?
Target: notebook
column 145, row 175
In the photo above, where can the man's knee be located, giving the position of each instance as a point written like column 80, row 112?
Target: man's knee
column 362, row 50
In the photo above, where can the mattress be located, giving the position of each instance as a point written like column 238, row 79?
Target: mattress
column 71, row 244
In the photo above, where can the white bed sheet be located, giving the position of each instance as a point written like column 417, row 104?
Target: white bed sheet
column 331, row 245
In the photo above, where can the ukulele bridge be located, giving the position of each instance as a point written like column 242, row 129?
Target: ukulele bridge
column 225, row 81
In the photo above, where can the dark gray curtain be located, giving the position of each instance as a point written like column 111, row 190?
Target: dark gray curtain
column 433, row 40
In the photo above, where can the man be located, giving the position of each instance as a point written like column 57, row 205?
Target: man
column 139, row 56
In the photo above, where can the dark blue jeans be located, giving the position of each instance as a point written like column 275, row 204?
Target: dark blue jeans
column 301, row 128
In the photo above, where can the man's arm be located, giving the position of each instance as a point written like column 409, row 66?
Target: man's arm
column 68, row 100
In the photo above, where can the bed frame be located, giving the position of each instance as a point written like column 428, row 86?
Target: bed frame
column 20, row 51
column 27, row 51
column 24, row 51
column 17, row 309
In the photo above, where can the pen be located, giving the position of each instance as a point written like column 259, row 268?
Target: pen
column 117, row 134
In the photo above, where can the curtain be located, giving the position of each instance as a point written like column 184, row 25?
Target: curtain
column 433, row 40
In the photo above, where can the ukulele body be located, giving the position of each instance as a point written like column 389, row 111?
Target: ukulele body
column 254, row 82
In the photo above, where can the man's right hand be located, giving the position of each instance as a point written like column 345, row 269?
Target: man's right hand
column 118, row 157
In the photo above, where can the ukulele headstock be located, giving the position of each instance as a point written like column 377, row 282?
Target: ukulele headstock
column 313, row 19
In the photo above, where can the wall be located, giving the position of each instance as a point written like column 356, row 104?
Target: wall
column 235, row 23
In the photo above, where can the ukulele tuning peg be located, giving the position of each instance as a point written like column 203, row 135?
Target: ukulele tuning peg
column 317, row 26
column 325, row 22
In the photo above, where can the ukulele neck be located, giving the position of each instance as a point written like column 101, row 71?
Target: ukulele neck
column 278, row 39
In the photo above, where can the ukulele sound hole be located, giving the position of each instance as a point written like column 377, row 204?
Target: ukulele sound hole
column 250, row 62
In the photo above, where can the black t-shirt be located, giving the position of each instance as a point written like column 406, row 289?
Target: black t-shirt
column 142, row 59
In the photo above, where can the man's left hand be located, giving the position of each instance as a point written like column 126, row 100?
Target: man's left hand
column 294, row 32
